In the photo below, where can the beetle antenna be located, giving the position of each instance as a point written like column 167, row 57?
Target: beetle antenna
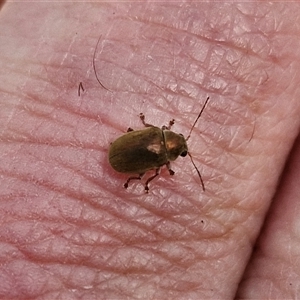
column 202, row 183
column 94, row 66
column 201, row 111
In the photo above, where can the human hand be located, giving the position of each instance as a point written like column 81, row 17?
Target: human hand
column 70, row 229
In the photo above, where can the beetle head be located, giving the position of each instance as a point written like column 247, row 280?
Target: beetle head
column 175, row 144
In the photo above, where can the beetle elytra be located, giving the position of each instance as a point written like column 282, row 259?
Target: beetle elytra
column 137, row 152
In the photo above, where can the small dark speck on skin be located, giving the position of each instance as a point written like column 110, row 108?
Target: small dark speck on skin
column 80, row 87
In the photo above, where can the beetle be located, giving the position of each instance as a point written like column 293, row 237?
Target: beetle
column 137, row 152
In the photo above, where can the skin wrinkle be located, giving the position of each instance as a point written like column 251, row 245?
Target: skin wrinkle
column 157, row 85
column 162, row 237
column 60, row 122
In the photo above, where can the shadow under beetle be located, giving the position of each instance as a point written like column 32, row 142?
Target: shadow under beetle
column 139, row 151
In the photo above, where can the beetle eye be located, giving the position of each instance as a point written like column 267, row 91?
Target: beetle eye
column 184, row 153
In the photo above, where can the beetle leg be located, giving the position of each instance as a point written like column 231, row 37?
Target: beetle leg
column 171, row 123
column 169, row 168
column 133, row 178
column 142, row 117
column 150, row 179
column 129, row 129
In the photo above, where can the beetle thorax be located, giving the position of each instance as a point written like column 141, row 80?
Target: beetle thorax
column 175, row 144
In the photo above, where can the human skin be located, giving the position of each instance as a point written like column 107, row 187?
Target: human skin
column 68, row 227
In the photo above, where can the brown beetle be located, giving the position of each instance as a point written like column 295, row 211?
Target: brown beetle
column 139, row 151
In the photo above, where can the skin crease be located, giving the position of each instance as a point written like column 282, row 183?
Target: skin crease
column 68, row 228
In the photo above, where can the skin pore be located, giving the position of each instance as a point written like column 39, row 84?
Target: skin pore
column 69, row 228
